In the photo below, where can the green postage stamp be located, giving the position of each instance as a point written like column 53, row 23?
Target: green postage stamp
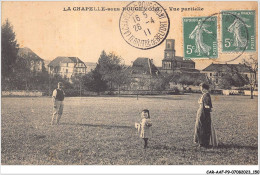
column 238, row 31
column 200, row 37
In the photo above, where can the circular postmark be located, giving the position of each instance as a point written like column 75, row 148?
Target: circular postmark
column 144, row 24
column 234, row 38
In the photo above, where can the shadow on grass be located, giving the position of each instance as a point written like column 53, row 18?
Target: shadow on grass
column 235, row 146
column 99, row 125
column 208, row 149
column 172, row 97
column 163, row 147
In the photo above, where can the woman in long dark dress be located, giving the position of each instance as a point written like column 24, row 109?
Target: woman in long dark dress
column 203, row 120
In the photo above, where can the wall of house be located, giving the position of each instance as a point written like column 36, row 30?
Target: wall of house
column 216, row 76
column 183, row 64
column 36, row 65
column 80, row 68
column 66, row 70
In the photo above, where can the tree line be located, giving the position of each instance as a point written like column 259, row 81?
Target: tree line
column 17, row 75
column 109, row 74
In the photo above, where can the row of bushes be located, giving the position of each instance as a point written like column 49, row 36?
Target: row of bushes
column 76, row 93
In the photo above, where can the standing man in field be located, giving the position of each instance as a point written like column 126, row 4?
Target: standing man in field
column 57, row 98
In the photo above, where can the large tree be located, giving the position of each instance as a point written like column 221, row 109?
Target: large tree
column 112, row 70
column 21, row 75
column 252, row 62
column 186, row 79
column 9, row 49
column 93, row 81
column 234, row 79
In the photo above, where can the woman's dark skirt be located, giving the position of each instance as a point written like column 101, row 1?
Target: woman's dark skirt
column 202, row 127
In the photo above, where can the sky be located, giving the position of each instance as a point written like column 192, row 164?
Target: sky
column 49, row 31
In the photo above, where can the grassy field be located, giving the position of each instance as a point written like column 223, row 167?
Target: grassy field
column 100, row 130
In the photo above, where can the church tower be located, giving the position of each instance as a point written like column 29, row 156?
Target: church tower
column 172, row 63
column 169, row 52
column 169, row 55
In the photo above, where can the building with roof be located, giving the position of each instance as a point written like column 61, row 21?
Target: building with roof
column 67, row 67
column 215, row 72
column 143, row 74
column 172, row 63
column 34, row 62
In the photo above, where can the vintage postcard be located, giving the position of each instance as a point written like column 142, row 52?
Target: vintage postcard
column 130, row 83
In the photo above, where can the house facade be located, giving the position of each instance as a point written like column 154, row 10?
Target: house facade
column 67, row 67
column 172, row 63
column 34, row 62
column 215, row 72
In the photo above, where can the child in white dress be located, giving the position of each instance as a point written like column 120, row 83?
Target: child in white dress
column 144, row 128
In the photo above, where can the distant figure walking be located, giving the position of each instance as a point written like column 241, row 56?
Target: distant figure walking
column 144, row 127
column 58, row 98
column 203, row 121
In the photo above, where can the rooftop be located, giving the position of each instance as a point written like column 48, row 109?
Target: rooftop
column 27, row 53
column 60, row 59
column 143, row 65
column 178, row 58
column 228, row 68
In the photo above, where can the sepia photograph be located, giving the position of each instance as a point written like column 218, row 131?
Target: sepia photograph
column 130, row 83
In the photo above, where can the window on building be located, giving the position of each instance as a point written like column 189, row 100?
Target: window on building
column 66, row 70
column 165, row 65
column 217, row 80
column 168, row 45
column 210, row 74
column 67, row 64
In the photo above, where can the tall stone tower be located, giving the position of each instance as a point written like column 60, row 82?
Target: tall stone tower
column 169, row 55
column 169, row 51
column 172, row 63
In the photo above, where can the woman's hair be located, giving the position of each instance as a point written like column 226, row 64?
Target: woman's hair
column 146, row 110
column 204, row 86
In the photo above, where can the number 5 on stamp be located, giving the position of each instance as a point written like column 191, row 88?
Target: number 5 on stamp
column 200, row 37
column 238, row 31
